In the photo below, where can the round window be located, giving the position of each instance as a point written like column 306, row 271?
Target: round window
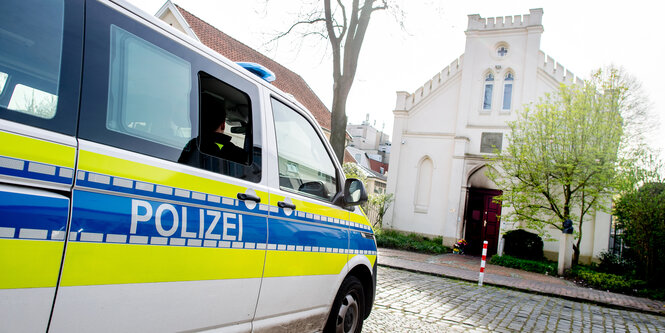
column 502, row 51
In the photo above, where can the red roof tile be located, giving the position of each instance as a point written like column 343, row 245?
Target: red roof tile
column 348, row 158
column 376, row 166
column 234, row 50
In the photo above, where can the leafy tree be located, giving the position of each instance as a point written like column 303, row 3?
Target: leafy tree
column 377, row 204
column 562, row 159
column 641, row 213
column 353, row 170
column 344, row 25
column 380, row 204
column 638, row 162
column 630, row 99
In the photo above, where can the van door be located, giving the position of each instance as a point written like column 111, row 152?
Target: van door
column 165, row 231
column 40, row 64
column 307, row 234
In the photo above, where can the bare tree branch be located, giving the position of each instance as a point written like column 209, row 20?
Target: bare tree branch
column 345, row 27
column 294, row 25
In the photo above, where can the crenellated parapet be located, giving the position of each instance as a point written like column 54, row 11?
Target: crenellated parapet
column 556, row 70
column 406, row 101
column 534, row 18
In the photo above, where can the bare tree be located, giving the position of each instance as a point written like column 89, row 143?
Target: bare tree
column 344, row 25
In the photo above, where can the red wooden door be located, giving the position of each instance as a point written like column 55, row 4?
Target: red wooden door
column 482, row 221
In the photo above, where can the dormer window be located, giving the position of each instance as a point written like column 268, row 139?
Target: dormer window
column 487, row 96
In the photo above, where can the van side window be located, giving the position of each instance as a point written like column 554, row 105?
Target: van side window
column 149, row 94
column 224, row 144
column 31, row 39
column 149, row 91
column 304, row 164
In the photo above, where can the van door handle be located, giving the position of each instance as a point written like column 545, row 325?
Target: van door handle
column 283, row 204
column 250, row 197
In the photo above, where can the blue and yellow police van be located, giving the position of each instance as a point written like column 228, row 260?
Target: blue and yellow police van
column 148, row 184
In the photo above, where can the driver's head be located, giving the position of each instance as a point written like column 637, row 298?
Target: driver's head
column 213, row 112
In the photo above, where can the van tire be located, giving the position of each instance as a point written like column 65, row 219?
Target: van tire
column 348, row 310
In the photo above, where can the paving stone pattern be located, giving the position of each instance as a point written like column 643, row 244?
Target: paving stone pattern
column 413, row 302
column 466, row 268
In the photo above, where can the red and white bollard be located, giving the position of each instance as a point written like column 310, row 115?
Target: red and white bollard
column 482, row 264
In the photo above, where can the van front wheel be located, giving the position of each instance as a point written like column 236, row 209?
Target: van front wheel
column 348, row 310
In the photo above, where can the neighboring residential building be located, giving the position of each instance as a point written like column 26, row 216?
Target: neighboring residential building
column 445, row 129
column 376, row 182
column 234, row 50
column 375, row 171
column 370, row 140
column 379, row 167
column 359, row 156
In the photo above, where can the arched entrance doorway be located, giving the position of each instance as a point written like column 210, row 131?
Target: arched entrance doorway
column 482, row 214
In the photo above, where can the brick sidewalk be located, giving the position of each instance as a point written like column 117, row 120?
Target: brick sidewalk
column 467, row 268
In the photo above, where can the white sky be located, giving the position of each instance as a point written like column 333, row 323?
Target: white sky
column 581, row 35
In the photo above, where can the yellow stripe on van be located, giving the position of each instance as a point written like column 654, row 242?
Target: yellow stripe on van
column 99, row 263
column 113, row 166
column 372, row 259
column 29, row 263
column 21, row 147
column 362, row 219
column 310, row 207
column 290, row 263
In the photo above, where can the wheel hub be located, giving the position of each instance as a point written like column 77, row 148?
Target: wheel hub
column 347, row 317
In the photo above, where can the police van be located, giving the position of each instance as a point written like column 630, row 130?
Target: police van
column 148, row 184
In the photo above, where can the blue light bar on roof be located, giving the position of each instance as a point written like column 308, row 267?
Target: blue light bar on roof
column 258, row 70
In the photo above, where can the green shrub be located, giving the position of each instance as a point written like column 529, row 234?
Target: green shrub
column 606, row 281
column 612, row 263
column 412, row 242
column 658, row 294
column 590, row 276
column 641, row 213
column 523, row 244
column 536, row 266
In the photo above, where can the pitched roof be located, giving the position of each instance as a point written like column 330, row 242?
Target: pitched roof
column 234, row 50
column 348, row 158
column 376, row 166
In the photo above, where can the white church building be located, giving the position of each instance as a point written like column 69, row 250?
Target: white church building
column 444, row 131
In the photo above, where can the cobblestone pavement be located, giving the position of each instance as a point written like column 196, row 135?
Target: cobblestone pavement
column 413, row 302
column 466, row 268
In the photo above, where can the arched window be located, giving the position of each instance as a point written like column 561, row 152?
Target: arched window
column 423, row 185
column 508, row 90
column 487, row 95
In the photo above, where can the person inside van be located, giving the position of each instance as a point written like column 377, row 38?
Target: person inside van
column 214, row 143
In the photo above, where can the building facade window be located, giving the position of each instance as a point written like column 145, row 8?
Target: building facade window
column 424, row 185
column 508, row 90
column 487, row 95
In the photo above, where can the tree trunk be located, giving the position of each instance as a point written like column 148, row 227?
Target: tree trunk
column 345, row 63
column 576, row 247
column 338, row 120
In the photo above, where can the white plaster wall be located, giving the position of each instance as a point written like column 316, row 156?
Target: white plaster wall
column 595, row 236
column 437, row 112
column 400, row 123
column 545, row 84
column 169, row 18
column 485, row 60
column 439, row 150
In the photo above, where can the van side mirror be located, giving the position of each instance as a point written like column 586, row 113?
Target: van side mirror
column 354, row 192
